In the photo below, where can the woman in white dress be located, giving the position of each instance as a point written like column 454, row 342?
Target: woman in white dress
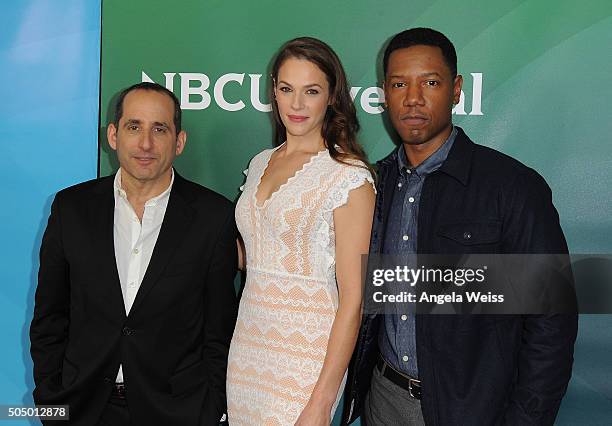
column 305, row 217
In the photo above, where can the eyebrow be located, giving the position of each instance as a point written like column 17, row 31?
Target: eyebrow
column 425, row 74
column 131, row 121
column 306, row 86
column 139, row 122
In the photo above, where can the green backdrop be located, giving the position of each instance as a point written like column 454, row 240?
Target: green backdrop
column 537, row 87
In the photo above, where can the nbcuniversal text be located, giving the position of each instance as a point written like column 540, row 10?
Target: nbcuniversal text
column 196, row 91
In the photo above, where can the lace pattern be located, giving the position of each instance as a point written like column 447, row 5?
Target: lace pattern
column 290, row 298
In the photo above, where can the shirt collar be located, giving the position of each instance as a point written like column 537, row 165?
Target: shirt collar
column 432, row 163
column 119, row 191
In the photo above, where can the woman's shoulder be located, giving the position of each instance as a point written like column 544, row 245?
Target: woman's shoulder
column 349, row 172
column 348, row 165
column 266, row 153
column 261, row 157
column 256, row 163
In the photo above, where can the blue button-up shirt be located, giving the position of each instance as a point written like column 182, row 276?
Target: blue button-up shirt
column 397, row 340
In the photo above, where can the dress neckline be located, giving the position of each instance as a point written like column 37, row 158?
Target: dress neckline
column 287, row 182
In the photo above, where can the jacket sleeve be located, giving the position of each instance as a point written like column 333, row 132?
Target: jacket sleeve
column 49, row 327
column 546, row 354
column 221, row 311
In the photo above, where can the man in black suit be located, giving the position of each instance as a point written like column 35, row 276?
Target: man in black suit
column 135, row 305
column 440, row 193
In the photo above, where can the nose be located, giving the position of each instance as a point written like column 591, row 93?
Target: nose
column 297, row 101
column 414, row 96
column 146, row 141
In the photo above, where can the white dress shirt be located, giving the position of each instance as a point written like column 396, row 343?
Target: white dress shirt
column 134, row 241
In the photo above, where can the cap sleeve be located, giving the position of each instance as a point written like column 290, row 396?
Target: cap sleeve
column 350, row 177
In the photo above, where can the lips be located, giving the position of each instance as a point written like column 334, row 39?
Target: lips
column 414, row 120
column 297, row 118
column 144, row 160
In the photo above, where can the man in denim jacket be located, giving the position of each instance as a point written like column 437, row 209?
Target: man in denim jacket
column 440, row 193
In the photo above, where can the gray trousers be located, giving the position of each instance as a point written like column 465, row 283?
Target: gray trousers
column 390, row 405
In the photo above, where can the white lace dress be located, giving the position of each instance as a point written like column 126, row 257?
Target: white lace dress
column 290, row 298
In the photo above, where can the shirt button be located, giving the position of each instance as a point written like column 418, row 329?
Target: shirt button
column 411, row 199
column 136, row 251
column 408, row 171
column 132, row 284
column 405, row 238
column 404, row 317
column 399, row 185
column 405, row 358
column 467, row 235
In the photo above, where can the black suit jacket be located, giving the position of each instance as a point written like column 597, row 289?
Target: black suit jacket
column 477, row 369
column 173, row 345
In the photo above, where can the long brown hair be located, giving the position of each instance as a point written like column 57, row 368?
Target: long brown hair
column 340, row 125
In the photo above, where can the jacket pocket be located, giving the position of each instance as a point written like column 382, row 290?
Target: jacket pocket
column 188, row 378
column 472, row 233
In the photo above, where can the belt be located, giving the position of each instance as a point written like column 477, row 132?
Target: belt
column 413, row 386
column 118, row 390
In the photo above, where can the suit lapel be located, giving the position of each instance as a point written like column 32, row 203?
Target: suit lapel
column 177, row 221
column 101, row 212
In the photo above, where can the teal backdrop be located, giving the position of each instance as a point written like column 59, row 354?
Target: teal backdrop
column 537, row 87
column 49, row 63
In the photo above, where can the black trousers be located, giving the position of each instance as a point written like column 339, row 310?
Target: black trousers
column 115, row 413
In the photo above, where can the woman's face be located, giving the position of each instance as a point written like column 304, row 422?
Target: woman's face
column 302, row 95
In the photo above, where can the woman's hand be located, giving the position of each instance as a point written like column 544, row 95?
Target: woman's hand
column 315, row 414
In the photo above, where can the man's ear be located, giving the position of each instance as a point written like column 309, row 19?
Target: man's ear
column 111, row 136
column 457, row 89
column 181, row 140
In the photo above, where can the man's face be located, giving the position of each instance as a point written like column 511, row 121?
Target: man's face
column 145, row 138
column 420, row 92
